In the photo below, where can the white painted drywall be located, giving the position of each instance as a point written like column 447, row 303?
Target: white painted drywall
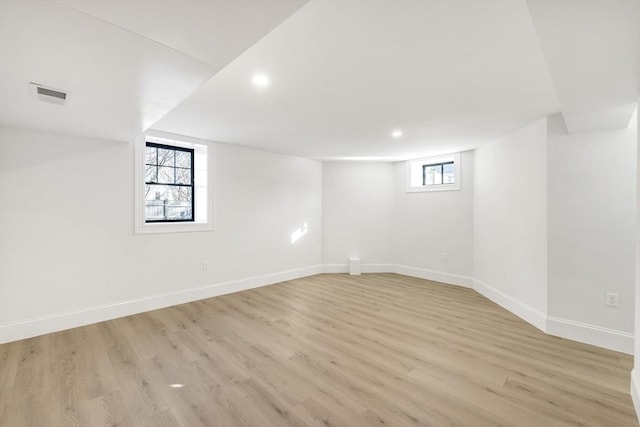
column 592, row 223
column 427, row 225
column 66, row 228
column 635, row 373
column 357, row 209
column 367, row 212
column 510, row 219
column 67, row 246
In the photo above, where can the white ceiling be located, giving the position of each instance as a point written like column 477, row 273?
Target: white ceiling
column 451, row 74
column 592, row 50
column 120, row 82
column 215, row 32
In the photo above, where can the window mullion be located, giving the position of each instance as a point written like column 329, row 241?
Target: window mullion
column 176, row 197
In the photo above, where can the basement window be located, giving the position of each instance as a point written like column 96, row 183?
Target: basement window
column 173, row 184
column 168, row 187
column 434, row 173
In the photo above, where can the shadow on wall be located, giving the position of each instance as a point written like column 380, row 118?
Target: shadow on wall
column 63, row 149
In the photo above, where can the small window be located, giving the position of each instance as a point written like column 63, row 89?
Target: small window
column 435, row 173
column 169, row 182
column 438, row 173
column 174, row 184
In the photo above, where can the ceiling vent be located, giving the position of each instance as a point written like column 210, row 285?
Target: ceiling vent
column 47, row 94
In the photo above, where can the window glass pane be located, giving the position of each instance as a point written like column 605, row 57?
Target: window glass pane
column 183, row 176
column 166, row 157
column 169, row 184
column 181, row 194
column 155, row 192
column 165, row 175
column 449, row 174
column 151, row 174
column 183, row 159
column 164, row 202
column 151, row 156
column 432, row 175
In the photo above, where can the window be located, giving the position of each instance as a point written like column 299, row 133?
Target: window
column 168, row 187
column 434, row 173
column 173, row 184
column 438, row 173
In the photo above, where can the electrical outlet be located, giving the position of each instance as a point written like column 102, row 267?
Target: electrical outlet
column 205, row 266
column 613, row 300
column 445, row 257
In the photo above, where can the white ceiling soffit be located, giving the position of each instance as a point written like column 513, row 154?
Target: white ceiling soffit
column 450, row 74
column 215, row 32
column 119, row 82
column 593, row 52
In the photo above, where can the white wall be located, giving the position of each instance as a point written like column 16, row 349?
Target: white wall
column 366, row 212
column 592, row 223
column 427, row 225
column 635, row 373
column 357, row 209
column 510, row 221
column 68, row 254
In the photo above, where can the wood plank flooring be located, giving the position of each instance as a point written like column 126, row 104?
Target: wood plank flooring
column 327, row 350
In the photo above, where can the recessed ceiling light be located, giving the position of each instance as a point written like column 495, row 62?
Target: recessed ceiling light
column 396, row 133
column 260, row 80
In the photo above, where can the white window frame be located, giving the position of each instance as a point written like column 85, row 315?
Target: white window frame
column 199, row 223
column 414, row 165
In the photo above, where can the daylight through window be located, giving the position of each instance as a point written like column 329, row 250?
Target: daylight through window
column 169, row 183
column 438, row 173
column 434, row 173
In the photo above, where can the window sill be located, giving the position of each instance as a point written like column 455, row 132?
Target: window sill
column 164, row 227
column 442, row 187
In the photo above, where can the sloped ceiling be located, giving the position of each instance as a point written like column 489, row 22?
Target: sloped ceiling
column 592, row 49
column 451, row 74
column 123, row 73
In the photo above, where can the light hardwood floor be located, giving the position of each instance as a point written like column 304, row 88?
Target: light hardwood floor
column 328, row 350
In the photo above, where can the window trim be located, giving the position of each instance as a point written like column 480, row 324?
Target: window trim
column 430, row 161
column 141, row 226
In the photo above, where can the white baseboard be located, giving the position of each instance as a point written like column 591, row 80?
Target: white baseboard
column 378, row 268
column 436, row 276
column 335, row 268
column 582, row 332
column 366, row 268
column 72, row 319
column 591, row 334
column 520, row 309
column 635, row 391
column 577, row 331
column 421, row 273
